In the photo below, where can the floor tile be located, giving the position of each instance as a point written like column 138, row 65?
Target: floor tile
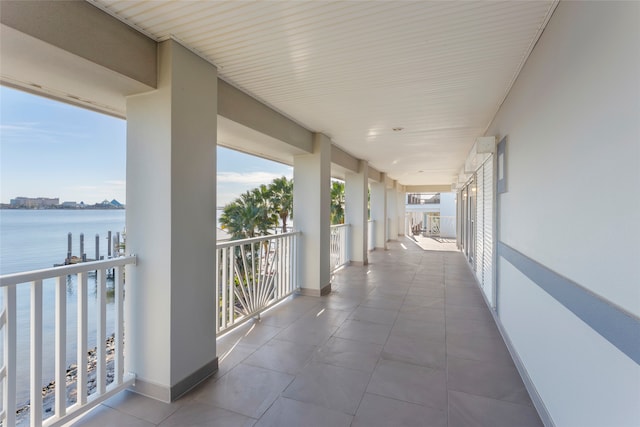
column 410, row 383
column 258, row 333
column 419, row 330
column 378, row 301
column 283, row 356
column 433, row 292
column 329, row 386
column 417, row 301
column 479, row 314
column 406, row 349
column 141, row 407
column 466, row 410
column 308, row 331
column 492, row 380
column 202, row 415
column 104, row 416
column 349, row 354
column 460, row 325
column 230, row 358
column 374, row 333
column 478, row 347
column 246, row 389
column 288, row 412
column 378, row 411
column 331, row 316
column 374, row 315
column 430, row 315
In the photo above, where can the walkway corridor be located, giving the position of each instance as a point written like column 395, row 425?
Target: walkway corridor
column 405, row 341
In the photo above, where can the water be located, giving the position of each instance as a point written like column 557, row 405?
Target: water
column 35, row 239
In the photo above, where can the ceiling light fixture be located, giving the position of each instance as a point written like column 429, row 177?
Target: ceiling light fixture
column 398, row 129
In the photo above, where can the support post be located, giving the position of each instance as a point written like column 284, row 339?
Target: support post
column 392, row 214
column 379, row 211
column 401, row 210
column 312, row 208
column 171, row 187
column 356, row 212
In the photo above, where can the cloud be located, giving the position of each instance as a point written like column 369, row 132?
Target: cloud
column 21, row 126
column 254, row 178
column 21, row 132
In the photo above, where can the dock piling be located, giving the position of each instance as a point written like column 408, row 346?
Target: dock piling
column 83, row 256
column 69, row 245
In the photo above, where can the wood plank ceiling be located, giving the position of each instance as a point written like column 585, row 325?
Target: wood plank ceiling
column 355, row 70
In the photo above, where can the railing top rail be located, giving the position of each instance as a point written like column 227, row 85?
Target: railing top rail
column 340, row 225
column 48, row 273
column 255, row 239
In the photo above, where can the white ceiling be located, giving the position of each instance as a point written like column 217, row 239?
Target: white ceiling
column 356, row 69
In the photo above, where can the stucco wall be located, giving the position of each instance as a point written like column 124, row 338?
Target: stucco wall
column 572, row 122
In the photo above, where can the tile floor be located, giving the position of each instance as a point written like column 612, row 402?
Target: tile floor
column 405, row 341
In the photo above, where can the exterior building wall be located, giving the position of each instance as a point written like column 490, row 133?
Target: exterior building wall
column 448, row 210
column 567, row 290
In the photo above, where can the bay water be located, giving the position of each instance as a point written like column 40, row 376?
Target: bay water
column 36, row 239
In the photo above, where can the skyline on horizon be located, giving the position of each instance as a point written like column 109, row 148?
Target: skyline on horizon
column 81, row 154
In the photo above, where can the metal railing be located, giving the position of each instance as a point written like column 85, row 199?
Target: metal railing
column 371, row 238
column 339, row 246
column 253, row 274
column 37, row 279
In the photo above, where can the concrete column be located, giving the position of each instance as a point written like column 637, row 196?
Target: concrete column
column 312, row 210
column 402, row 211
column 392, row 212
column 171, row 226
column 356, row 186
column 379, row 211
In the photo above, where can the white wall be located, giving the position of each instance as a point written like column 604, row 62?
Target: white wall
column 572, row 121
column 448, row 215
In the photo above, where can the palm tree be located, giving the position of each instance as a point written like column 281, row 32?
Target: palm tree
column 262, row 198
column 337, row 202
column 282, row 199
column 241, row 218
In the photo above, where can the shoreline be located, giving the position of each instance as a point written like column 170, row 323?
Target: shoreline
column 48, row 391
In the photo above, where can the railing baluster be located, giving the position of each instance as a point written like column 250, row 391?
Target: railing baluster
column 225, row 285
column 36, row 354
column 253, row 274
column 101, row 333
column 254, row 292
column 8, row 322
column 219, row 279
column 118, row 361
column 81, row 381
column 9, row 389
column 61, row 347
column 231, row 287
column 280, row 272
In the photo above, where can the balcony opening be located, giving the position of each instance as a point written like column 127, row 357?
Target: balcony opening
column 63, row 201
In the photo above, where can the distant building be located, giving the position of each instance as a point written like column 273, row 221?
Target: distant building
column 69, row 205
column 33, row 202
column 106, row 204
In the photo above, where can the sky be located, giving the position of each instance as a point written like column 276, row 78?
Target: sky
column 52, row 149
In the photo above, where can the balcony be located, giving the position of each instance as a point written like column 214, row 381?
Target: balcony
column 406, row 340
